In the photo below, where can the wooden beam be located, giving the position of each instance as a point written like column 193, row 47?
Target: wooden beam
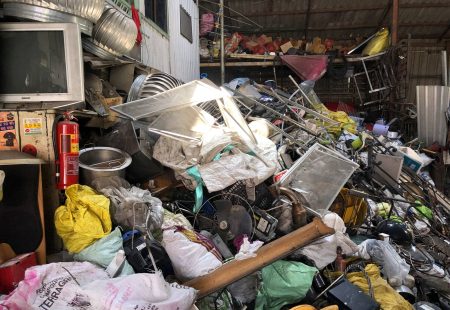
column 394, row 27
column 241, row 64
column 338, row 10
column 385, row 13
column 308, row 10
column 315, row 11
column 338, row 27
column 444, row 33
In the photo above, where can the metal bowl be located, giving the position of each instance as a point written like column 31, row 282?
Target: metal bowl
column 97, row 162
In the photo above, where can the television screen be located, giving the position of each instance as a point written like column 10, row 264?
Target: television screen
column 32, row 62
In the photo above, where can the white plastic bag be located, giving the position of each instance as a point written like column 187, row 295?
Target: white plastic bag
column 323, row 251
column 189, row 259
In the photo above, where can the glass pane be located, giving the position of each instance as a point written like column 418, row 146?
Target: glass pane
column 186, row 95
column 32, row 62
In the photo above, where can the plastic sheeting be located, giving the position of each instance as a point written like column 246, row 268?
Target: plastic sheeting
column 284, row 283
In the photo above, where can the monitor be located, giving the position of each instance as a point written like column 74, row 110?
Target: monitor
column 41, row 62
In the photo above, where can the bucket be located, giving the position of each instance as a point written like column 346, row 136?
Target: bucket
column 97, row 162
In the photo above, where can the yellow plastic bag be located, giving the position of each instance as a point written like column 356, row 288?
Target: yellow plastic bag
column 345, row 121
column 384, row 294
column 84, row 219
column 379, row 43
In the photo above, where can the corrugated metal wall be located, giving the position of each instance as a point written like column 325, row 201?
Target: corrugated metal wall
column 432, row 104
column 184, row 55
column 155, row 48
column 424, row 68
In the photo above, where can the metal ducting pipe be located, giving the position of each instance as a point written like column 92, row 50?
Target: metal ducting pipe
column 299, row 213
column 149, row 85
column 113, row 35
column 82, row 12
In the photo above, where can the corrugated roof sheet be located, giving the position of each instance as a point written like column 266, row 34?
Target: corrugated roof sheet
column 339, row 19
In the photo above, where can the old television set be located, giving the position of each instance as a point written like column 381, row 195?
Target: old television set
column 40, row 63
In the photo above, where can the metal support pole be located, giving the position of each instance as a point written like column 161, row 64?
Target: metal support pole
column 394, row 22
column 222, row 45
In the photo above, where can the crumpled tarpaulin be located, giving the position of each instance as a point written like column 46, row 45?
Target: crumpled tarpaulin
column 384, row 294
column 307, row 67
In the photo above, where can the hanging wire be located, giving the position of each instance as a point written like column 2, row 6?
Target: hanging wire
column 228, row 17
column 234, row 11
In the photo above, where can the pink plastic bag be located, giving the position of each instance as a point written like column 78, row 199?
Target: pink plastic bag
column 206, row 23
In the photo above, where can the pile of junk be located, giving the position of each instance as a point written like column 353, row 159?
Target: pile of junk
column 245, row 196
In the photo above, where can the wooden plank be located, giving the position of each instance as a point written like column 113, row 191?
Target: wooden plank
column 253, row 56
column 241, row 64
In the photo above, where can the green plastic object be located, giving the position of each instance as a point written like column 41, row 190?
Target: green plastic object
column 102, row 252
column 284, row 282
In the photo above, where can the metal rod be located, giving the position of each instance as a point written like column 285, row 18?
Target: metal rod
column 394, row 22
column 222, row 44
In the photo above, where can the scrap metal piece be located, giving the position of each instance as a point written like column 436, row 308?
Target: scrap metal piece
column 113, row 35
column 187, row 95
column 267, row 254
column 432, row 103
column 82, row 12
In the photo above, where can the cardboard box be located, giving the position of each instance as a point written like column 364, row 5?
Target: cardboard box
column 13, row 271
column 286, row 46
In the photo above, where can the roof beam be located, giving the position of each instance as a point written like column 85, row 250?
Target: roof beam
column 338, row 10
column 338, row 27
column 385, row 13
column 308, row 10
column 444, row 33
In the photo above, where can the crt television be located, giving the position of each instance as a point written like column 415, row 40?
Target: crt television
column 40, row 62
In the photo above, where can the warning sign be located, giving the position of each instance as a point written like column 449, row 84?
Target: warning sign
column 32, row 126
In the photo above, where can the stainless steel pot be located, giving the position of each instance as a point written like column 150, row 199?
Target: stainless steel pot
column 100, row 161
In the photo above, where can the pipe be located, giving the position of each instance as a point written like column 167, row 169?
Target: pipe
column 298, row 211
column 267, row 254
column 222, row 45
column 394, row 22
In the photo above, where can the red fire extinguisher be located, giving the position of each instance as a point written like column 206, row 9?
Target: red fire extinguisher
column 66, row 151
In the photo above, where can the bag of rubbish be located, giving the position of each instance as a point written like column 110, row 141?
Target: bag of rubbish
column 221, row 300
column 175, row 219
column 382, row 253
column 103, row 251
column 131, row 206
column 84, row 286
column 206, row 23
column 83, row 219
column 245, row 289
column 323, row 251
column 284, row 283
column 378, row 43
column 192, row 254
